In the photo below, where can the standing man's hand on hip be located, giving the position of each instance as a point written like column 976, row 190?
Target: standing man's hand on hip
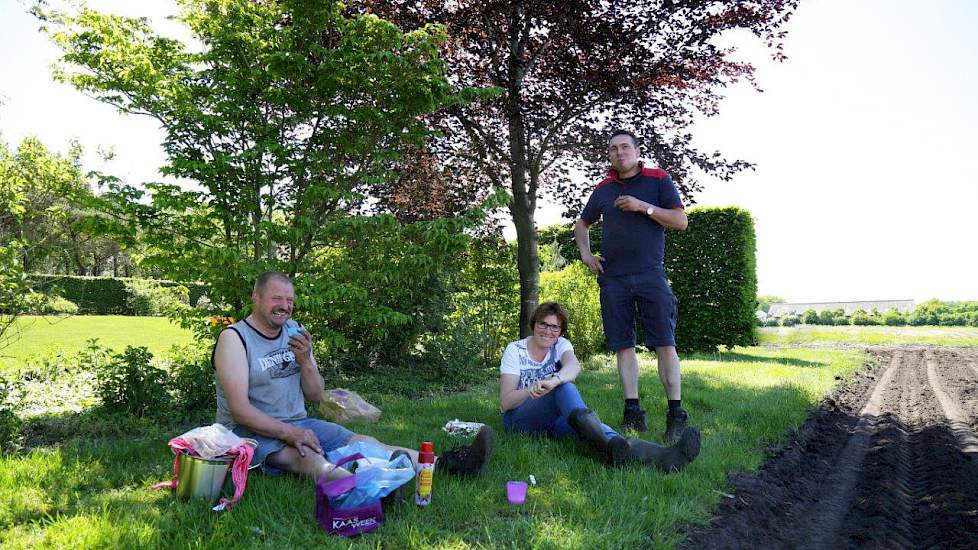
column 593, row 263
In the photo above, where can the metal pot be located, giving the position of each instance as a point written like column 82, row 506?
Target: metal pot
column 200, row 477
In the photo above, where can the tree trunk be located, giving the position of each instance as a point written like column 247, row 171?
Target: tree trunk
column 527, row 262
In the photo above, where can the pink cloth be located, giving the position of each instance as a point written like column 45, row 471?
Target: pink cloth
column 239, row 468
column 177, row 445
column 239, row 471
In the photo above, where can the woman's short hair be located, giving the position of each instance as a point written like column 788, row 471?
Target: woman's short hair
column 550, row 308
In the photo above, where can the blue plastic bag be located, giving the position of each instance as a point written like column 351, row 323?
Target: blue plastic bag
column 376, row 479
column 367, row 449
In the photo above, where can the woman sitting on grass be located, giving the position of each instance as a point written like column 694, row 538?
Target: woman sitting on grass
column 537, row 395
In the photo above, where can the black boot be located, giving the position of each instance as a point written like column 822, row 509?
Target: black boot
column 634, row 419
column 469, row 460
column 676, row 422
column 667, row 459
column 587, row 425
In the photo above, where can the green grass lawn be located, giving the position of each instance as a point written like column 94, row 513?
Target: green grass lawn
column 87, row 493
column 39, row 336
column 876, row 335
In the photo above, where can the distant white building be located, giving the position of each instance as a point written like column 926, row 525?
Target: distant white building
column 903, row 306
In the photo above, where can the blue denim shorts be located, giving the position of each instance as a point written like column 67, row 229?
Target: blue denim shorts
column 331, row 436
column 657, row 308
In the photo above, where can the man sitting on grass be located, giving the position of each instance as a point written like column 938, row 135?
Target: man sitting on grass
column 264, row 372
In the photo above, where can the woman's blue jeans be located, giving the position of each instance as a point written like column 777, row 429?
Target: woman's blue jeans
column 548, row 414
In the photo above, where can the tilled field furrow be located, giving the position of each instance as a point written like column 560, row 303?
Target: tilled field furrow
column 881, row 512
column 887, row 463
column 958, row 422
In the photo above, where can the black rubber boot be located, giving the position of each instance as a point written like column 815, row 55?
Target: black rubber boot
column 676, row 422
column 587, row 425
column 469, row 460
column 667, row 459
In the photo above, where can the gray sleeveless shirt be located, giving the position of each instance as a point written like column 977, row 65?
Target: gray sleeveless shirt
column 274, row 382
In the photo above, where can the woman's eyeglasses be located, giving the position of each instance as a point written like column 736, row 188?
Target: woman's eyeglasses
column 547, row 326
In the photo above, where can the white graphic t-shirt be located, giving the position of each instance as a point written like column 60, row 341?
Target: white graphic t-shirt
column 516, row 360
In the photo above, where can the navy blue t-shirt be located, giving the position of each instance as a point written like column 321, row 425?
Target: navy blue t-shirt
column 631, row 242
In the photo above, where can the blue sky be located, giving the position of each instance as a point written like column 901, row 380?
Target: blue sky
column 864, row 141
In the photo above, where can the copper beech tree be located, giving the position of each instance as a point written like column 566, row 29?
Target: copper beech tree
column 568, row 72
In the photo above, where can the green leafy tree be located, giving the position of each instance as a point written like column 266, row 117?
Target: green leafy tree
column 570, row 71
column 14, row 288
column 285, row 114
column 54, row 224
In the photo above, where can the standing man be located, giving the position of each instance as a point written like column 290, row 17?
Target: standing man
column 637, row 205
column 265, row 371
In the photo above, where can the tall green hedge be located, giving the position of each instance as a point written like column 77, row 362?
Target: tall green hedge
column 712, row 271
column 102, row 295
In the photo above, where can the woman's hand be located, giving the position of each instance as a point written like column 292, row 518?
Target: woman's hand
column 543, row 387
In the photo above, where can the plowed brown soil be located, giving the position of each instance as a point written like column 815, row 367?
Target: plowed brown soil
column 889, row 460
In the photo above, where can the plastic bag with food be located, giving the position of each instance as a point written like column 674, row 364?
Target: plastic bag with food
column 340, row 405
column 212, row 441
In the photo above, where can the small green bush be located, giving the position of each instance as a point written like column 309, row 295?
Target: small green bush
column 789, row 320
column 130, row 384
column 829, row 317
column 148, row 297
column 52, row 304
column 894, row 318
column 861, row 318
column 809, row 317
column 10, row 424
column 575, row 288
column 191, row 379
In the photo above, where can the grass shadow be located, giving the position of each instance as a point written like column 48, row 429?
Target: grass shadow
column 741, row 357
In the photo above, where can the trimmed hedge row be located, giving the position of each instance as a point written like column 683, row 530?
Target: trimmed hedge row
column 712, row 271
column 105, row 295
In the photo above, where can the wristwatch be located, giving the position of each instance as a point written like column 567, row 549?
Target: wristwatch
column 649, row 211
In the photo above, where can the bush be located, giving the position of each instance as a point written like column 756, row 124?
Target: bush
column 920, row 317
column 575, row 288
column 810, row 317
column 861, row 318
column 9, row 423
column 712, row 270
column 148, row 297
column 52, row 304
column 894, row 318
column 191, row 379
column 831, row 317
column 790, row 320
column 130, row 384
column 117, row 295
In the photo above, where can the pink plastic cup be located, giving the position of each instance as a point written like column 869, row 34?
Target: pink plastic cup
column 516, row 492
